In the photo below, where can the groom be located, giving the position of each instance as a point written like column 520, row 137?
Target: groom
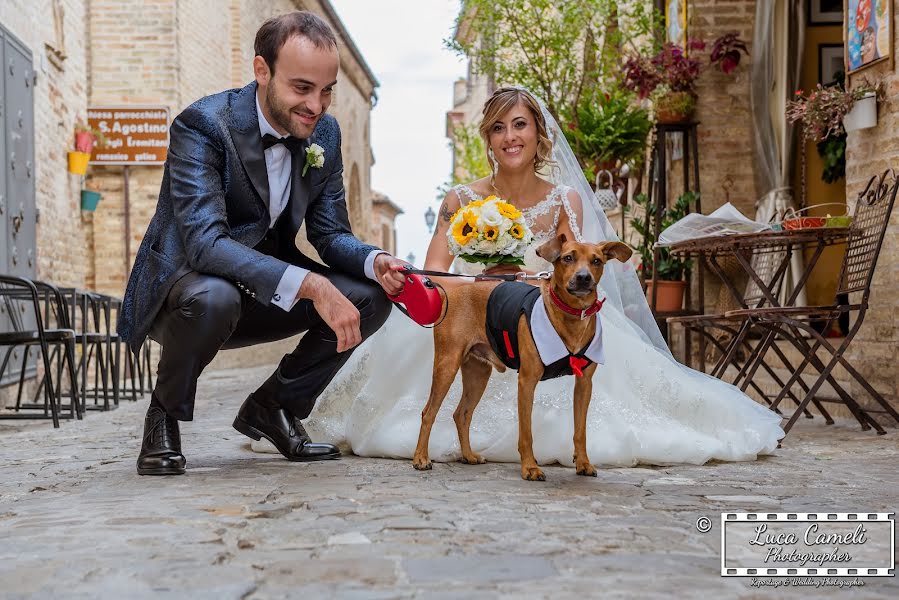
column 219, row 267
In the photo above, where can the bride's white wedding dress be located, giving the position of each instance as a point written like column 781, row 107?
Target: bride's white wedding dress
column 646, row 407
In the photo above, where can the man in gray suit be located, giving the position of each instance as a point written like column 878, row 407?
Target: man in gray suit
column 219, row 267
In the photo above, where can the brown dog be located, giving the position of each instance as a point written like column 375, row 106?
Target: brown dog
column 461, row 341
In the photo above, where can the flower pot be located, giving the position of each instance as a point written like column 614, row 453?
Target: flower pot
column 89, row 200
column 862, row 115
column 84, row 141
column 78, row 162
column 675, row 107
column 670, row 295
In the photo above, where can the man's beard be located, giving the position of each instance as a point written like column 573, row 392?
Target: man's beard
column 281, row 115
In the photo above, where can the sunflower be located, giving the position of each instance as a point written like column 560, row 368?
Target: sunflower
column 507, row 210
column 516, row 231
column 476, row 203
column 490, row 233
column 466, row 228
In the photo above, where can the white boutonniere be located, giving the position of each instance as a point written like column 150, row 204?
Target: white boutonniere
column 315, row 158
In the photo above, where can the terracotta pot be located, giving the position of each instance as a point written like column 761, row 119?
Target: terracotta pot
column 663, row 117
column 669, row 109
column 669, row 298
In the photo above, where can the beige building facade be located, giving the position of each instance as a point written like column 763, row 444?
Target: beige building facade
column 162, row 53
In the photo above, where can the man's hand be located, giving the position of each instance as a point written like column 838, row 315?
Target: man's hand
column 387, row 270
column 334, row 308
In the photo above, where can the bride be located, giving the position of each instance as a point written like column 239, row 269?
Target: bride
column 646, row 407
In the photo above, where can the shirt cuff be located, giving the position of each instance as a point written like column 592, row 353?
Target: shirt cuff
column 286, row 293
column 370, row 264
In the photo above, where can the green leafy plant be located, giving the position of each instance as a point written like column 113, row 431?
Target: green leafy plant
column 613, row 128
column 670, row 268
column 833, row 150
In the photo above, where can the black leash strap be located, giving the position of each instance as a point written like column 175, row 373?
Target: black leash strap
column 508, row 277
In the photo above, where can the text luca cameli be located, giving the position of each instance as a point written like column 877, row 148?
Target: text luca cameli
column 816, row 544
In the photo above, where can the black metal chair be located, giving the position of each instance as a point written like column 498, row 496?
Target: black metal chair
column 86, row 312
column 801, row 324
column 719, row 330
column 36, row 317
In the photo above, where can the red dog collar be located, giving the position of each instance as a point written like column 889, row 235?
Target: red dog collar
column 580, row 313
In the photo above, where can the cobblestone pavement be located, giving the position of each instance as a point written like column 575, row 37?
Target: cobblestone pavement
column 76, row 521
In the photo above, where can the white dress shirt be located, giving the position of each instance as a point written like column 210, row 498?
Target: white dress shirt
column 278, row 163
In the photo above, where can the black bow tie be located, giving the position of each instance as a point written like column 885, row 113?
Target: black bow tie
column 291, row 143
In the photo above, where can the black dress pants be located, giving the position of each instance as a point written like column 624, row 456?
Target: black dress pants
column 203, row 314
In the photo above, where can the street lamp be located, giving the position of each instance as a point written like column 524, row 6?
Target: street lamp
column 430, row 217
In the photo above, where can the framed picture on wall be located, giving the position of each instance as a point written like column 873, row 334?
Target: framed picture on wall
column 830, row 63
column 868, row 33
column 676, row 22
column 825, row 12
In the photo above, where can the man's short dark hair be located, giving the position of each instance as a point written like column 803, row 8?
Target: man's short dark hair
column 277, row 30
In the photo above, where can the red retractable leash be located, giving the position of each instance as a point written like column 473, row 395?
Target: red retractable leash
column 421, row 301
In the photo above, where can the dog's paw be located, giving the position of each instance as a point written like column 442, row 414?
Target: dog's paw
column 532, row 474
column 473, row 459
column 586, row 469
column 422, row 464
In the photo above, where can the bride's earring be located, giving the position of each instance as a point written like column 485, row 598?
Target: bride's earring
column 493, row 164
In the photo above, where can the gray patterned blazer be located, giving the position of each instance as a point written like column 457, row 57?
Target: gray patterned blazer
column 213, row 209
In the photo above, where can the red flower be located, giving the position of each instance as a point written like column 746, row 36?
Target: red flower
column 798, row 92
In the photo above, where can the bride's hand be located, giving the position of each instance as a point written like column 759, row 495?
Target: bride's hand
column 503, row 270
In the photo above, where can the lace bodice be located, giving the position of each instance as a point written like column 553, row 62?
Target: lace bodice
column 542, row 219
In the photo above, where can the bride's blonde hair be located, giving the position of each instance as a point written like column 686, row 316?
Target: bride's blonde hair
column 501, row 102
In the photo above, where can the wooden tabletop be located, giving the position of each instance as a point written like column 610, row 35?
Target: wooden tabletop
column 717, row 243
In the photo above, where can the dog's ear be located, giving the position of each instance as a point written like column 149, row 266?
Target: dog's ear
column 551, row 249
column 618, row 250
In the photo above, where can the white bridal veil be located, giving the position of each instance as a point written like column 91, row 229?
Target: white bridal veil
column 619, row 280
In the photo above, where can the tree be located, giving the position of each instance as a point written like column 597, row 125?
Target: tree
column 566, row 51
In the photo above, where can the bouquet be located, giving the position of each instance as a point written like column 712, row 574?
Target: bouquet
column 489, row 231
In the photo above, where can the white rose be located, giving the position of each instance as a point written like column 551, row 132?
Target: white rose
column 490, row 216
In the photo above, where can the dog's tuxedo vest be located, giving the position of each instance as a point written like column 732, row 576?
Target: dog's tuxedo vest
column 507, row 302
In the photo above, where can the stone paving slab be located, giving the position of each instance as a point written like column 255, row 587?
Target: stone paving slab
column 77, row 522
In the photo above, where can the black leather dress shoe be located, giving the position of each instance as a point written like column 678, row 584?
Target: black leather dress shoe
column 160, row 453
column 281, row 429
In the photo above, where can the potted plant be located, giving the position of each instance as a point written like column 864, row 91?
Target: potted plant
column 668, row 77
column 822, row 112
column 608, row 131
column 85, row 139
column 671, row 269
column 827, row 113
